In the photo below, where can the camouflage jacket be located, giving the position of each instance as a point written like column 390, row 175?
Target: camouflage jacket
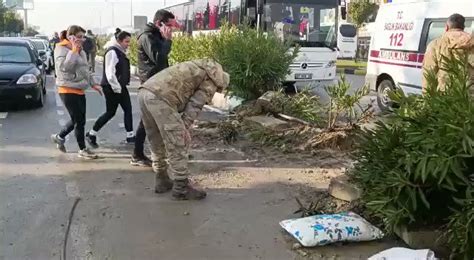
column 188, row 86
column 453, row 41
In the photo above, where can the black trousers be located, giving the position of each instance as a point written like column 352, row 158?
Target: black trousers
column 76, row 107
column 140, row 137
column 112, row 101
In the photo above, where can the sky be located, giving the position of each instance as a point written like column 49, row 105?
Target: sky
column 57, row 15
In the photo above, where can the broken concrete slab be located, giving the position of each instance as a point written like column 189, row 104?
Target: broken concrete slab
column 267, row 122
column 341, row 188
column 423, row 238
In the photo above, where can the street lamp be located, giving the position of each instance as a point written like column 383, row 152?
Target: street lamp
column 113, row 11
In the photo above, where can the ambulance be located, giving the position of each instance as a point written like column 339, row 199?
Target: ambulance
column 403, row 29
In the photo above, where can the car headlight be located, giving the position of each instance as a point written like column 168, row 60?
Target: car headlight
column 330, row 64
column 27, row 79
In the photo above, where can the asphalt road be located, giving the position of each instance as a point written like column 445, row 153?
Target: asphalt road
column 118, row 216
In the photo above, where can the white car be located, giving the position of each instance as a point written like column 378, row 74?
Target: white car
column 45, row 53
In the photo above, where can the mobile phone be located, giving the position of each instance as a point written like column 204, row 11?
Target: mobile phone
column 72, row 38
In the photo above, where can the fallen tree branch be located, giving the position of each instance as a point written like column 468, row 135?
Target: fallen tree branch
column 294, row 119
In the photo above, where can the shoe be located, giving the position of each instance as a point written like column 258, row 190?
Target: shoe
column 87, row 154
column 92, row 140
column 163, row 182
column 130, row 140
column 59, row 142
column 182, row 190
column 140, row 161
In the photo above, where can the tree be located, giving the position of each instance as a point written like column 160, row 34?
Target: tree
column 10, row 21
column 13, row 23
column 30, row 31
column 359, row 12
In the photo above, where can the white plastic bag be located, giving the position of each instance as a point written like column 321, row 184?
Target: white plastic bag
column 400, row 253
column 321, row 230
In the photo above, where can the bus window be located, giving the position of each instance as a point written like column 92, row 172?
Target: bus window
column 348, row 30
column 305, row 24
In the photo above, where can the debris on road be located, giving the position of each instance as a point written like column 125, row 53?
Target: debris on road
column 326, row 229
column 396, row 253
column 341, row 188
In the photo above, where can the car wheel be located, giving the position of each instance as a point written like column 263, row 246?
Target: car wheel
column 40, row 102
column 383, row 99
column 48, row 70
column 44, row 88
column 289, row 88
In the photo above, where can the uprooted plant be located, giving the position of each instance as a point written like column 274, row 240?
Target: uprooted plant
column 344, row 114
column 342, row 103
column 302, row 105
column 414, row 168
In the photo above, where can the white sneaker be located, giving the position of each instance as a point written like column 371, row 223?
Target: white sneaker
column 87, row 154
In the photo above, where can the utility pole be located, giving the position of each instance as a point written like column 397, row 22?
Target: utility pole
column 113, row 14
column 25, row 12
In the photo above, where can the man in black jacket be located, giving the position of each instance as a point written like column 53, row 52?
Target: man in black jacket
column 154, row 45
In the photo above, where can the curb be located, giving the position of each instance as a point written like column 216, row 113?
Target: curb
column 352, row 71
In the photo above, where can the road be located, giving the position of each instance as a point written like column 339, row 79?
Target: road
column 118, row 216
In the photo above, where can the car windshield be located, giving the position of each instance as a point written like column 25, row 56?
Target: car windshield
column 39, row 45
column 306, row 24
column 15, row 54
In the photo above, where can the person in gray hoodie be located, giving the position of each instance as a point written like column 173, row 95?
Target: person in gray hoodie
column 73, row 78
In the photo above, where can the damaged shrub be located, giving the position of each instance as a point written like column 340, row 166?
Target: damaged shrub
column 460, row 229
column 303, row 105
column 413, row 168
column 342, row 103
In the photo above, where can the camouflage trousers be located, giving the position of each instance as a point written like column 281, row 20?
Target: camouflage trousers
column 165, row 131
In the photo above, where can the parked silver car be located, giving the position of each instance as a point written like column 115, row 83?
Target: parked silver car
column 45, row 52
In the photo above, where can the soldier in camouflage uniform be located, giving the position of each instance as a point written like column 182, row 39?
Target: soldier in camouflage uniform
column 170, row 101
column 454, row 42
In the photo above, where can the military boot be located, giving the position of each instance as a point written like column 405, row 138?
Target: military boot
column 182, row 190
column 163, row 183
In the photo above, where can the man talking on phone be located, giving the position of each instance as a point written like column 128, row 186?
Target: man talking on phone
column 154, row 45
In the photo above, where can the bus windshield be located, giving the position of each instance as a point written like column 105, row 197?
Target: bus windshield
column 308, row 25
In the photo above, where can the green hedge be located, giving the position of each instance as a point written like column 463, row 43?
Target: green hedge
column 416, row 170
column 256, row 62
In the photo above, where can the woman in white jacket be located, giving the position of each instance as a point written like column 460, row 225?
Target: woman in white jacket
column 114, row 84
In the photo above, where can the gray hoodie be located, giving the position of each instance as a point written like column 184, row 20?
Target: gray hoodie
column 72, row 69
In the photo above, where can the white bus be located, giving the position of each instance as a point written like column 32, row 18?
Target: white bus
column 401, row 34
column 307, row 23
column 347, row 41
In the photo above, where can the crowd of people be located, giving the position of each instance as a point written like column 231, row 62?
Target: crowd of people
column 170, row 98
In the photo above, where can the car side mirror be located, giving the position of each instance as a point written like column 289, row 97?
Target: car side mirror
column 42, row 53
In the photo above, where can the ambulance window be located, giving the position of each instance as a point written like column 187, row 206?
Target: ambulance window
column 469, row 26
column 436, row 29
